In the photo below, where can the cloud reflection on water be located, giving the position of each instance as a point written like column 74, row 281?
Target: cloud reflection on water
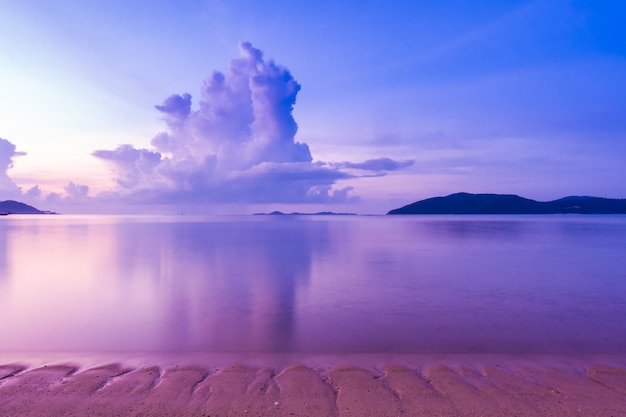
column 301, row 284
column 223, row 286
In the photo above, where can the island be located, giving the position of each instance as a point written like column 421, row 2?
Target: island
column 295, row 213
column 15, row 207
column 466, row 203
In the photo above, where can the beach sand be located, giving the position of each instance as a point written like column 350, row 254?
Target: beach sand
column 482, row 385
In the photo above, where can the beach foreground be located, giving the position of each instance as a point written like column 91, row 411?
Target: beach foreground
column 442, row 387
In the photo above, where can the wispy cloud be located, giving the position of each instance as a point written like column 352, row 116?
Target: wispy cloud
column 379, row 164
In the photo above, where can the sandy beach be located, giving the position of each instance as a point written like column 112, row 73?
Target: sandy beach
column 450, row 385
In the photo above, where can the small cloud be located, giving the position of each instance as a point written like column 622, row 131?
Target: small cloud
column 380, row 164
column 389, row 139
column 132, row 167
column 176, row 108
column 33, row 193
column 76, row 191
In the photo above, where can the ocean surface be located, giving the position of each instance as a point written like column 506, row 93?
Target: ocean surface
column 313, row 284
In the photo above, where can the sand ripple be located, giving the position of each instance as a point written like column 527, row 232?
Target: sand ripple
column 244, row 390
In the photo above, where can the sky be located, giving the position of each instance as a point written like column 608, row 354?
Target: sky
column 224, row 107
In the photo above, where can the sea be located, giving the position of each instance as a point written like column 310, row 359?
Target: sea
column 507, row 284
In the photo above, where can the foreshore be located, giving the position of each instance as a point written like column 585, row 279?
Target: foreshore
column 314, row 385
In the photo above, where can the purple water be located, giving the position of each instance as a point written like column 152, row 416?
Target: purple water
column 422, row 284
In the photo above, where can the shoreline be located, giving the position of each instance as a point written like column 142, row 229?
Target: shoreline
column 108, row 384
column 325, row 360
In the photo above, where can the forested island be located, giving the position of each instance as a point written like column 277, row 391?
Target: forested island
column 466, row 203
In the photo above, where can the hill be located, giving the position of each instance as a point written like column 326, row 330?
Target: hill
column 15, row 207
column 465, row 203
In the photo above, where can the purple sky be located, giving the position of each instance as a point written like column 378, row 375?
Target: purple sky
column 243, row 106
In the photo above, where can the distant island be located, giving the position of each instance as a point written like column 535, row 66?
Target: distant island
column 321, row 213
column 465, row 203
column 15, row 207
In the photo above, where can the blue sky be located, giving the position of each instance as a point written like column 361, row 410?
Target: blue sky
column 395, row 101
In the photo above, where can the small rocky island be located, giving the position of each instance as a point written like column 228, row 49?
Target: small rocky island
column 295, row 213
column 15, row 207
column 465, row 203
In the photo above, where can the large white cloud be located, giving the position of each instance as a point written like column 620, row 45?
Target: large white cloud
column 238, row 146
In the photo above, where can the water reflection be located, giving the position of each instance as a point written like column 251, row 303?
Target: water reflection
column 285, row 284
column 461, row 227
column 4, row 259
column 228, row 285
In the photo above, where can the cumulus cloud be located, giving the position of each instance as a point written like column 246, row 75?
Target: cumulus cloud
column 176, row 109
column 7, row 152
column 33, row 193
column 76, row 191
column 133, row 167
column 238, row 145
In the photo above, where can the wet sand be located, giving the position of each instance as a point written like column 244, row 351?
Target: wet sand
column 363, row 386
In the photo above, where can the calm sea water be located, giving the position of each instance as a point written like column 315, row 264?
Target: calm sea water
column 423, row 284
